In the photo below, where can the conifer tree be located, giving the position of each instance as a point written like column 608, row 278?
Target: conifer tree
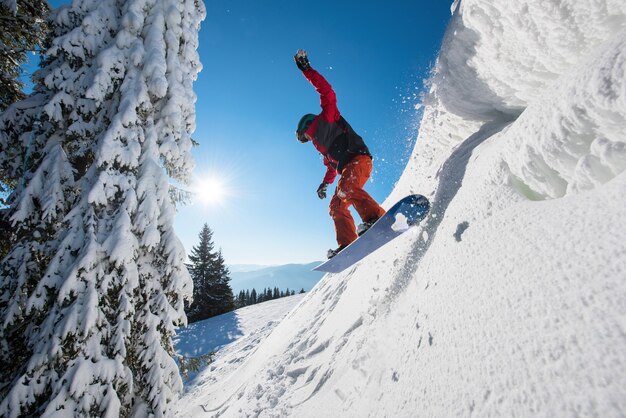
column 212, row 292
column 202, row 259
column 92, row 289
column 221, row 290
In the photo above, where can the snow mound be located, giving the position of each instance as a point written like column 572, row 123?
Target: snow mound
column 499, row 58
column 579, row 124
column 510, row 298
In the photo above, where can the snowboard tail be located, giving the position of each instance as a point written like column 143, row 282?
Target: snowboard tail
column 408, row 212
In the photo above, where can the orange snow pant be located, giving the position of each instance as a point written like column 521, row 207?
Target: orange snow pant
column 350, row 192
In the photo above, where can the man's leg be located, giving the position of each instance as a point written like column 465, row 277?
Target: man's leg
column 353, row 178
column 344, row 224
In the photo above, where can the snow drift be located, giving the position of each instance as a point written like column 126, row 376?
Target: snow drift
column 510, row 299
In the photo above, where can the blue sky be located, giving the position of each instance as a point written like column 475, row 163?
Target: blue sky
column 375, row 54
column 250, row 96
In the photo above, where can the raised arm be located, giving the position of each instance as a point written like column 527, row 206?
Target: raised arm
column 328, row 99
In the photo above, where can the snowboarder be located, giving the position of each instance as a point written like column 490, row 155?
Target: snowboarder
column 344, row 153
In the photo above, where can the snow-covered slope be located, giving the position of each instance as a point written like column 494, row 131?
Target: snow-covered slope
column 233, row 336
column 510, row 299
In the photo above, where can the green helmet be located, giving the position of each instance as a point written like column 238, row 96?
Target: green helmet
column 303, row 125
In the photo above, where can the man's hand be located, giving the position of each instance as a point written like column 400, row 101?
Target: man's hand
column 302, row 61
column 321, row 191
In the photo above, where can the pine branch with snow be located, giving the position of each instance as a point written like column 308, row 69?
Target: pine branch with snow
column 24, row 30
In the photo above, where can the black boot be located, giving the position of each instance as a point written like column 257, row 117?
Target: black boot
column 331, row 253
column 361, row 229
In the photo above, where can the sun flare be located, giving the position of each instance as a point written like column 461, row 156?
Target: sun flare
column 210, row 191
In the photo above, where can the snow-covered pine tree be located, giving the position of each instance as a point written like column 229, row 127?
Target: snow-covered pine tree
column 93, row 286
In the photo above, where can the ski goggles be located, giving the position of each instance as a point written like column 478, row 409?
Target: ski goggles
column 301, row 136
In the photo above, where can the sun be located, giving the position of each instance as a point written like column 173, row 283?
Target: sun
column 210, row 190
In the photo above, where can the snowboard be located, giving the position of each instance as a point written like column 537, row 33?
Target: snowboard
column 399, row 218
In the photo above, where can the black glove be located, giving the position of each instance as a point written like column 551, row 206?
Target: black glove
column 302, row 61
column 321, row 191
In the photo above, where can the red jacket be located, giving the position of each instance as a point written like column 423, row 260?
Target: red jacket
column 332, row 135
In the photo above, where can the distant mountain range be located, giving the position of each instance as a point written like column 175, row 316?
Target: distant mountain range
column 238, row 268
column 292, row 276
